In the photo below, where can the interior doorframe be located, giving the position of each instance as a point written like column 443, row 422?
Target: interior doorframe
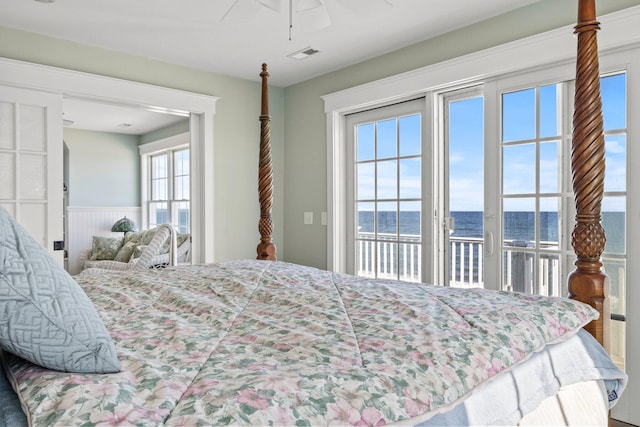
column 201, row 109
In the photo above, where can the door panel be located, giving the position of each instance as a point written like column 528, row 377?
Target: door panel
column 31, row 163
column 463, row 227
column 387, row 213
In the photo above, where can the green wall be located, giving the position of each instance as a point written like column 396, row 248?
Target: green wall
column 165, row 132
column 103, row 168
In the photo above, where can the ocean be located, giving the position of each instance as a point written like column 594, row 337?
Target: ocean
column 519, row 226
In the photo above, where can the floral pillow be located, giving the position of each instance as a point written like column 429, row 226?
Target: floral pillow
column 126, row 251
column 105, row 247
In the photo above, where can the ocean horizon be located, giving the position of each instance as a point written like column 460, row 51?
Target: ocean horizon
column 519, row 226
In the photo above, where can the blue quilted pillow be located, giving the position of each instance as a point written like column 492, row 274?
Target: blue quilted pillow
column 45, row 317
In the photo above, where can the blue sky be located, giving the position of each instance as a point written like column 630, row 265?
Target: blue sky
column 466, row 151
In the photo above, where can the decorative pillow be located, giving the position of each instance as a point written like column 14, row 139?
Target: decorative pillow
column 105, row 247
column 138, row 251
column 142, row 237
column 125, row 252
column 45, row 316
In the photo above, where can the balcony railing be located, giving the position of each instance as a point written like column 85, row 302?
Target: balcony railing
column 401, row 260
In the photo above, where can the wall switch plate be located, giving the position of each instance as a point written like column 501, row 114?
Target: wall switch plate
column 323, row 218
column 308, row 218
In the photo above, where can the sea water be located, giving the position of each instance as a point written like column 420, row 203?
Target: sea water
column 518, row 226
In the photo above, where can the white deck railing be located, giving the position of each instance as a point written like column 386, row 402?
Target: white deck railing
column 402, row 260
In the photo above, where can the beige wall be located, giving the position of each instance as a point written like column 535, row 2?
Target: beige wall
column 236, row 128
column 305, row 130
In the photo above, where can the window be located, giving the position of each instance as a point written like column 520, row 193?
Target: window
column 387, row 183
column 532, row 143
column 169, row 189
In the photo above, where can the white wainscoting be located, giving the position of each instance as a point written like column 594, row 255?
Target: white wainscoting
column 85, row 222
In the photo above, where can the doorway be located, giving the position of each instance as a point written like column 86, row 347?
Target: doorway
column 199, row 109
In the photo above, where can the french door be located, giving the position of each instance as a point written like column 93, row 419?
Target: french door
column 31, row 170
column 386, row 185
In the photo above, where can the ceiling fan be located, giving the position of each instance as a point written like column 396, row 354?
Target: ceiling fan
column 309, row 14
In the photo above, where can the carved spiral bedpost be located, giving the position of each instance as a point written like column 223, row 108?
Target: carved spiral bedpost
column 266, row 248
column 587, row 283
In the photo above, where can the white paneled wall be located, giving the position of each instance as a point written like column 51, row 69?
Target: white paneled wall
column 85, row 222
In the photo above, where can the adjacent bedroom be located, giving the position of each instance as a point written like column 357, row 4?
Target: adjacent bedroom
column 319, row 212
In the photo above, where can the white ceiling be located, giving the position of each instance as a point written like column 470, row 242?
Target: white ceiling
column 192, row 33
column 102, row 117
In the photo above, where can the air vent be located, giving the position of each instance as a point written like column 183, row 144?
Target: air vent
column 304, row 53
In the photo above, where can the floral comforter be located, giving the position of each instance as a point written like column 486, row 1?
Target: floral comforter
column 271, row 343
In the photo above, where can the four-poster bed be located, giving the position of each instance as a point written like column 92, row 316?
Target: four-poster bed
column 265, row 342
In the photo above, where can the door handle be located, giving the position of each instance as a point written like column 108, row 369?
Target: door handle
column 488, row 243
column 449, row 223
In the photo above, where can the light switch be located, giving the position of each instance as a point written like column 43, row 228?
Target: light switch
column 308, row 218
column 323, row 218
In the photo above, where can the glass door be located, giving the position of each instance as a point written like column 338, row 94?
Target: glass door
column 463, row 219
column 387, row 211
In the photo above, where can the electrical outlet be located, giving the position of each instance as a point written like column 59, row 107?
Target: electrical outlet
column 58, row 245
column 308, row 218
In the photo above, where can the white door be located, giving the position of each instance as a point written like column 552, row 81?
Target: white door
column 31, row 168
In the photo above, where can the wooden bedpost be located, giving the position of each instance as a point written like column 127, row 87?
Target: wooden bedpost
column 588, row 283
column 266, row 248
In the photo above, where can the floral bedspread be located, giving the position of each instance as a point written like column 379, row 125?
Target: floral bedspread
column 271, row 343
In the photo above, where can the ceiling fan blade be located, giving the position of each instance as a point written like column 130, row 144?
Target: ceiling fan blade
column 274, row 5
column 313, row 18
column 240, row 10
column 304, row 5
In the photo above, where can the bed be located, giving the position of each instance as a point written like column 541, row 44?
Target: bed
column 265, row 342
